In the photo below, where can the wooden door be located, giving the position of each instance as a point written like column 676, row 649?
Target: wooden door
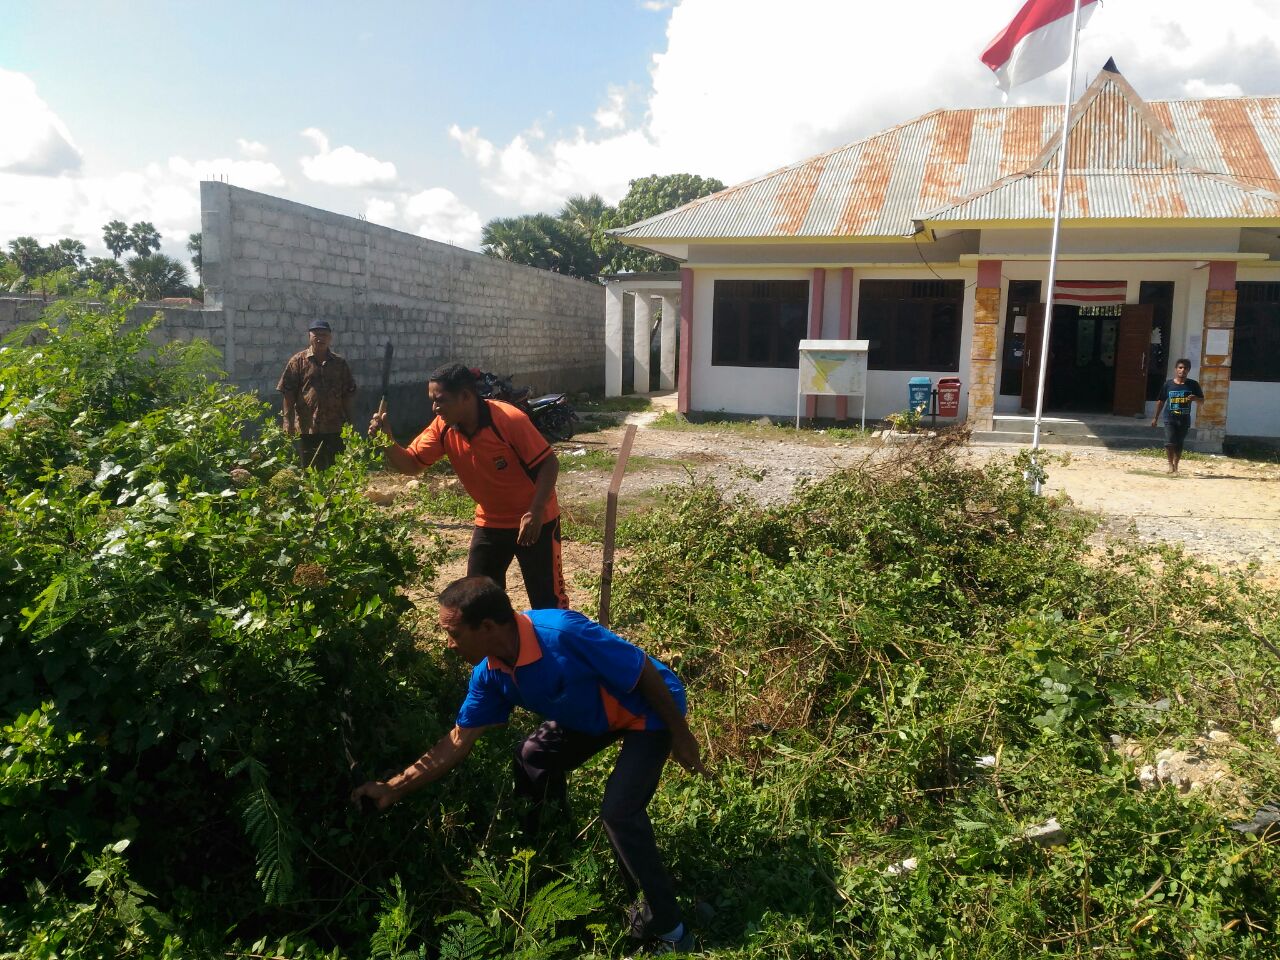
column 1133, row 346
column 1031, row 356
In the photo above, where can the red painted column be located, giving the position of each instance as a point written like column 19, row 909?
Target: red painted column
column 686, row 340
column 846, row 329
column 817, row 300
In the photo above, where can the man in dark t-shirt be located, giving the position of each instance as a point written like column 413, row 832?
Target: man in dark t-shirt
column 1176, row 398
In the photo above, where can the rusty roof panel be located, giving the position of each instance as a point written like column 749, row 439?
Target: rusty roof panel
column 1127, row 159
column 1114, row 195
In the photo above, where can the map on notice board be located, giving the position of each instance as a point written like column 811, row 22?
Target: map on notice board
column 833, row 367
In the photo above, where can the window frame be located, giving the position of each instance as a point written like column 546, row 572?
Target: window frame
column 760, row 303
column 895, row 307
column 1255, row 350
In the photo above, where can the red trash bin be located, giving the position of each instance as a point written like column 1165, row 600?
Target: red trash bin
column 949, row 397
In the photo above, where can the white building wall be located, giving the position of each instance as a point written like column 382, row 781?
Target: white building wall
column 767, row 391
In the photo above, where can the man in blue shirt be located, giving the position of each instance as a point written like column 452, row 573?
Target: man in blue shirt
column 593, row 688
column 1180, row 394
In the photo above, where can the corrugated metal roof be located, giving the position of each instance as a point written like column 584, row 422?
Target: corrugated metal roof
column 1114, row 195
column 1126, row 159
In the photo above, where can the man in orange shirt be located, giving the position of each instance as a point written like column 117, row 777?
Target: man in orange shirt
column 509, row 470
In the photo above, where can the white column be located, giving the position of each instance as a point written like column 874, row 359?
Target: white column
column 670, row 323
column 614, row 315
column 641, row 340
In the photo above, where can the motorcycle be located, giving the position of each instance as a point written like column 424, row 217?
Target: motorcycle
column 551, row 413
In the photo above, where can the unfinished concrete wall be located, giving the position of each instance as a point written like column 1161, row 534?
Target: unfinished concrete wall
column 179, row 323
column 272, row 265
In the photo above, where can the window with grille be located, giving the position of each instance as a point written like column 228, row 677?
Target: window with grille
column 759, row 323
column 912, row 324
column 1255, row 352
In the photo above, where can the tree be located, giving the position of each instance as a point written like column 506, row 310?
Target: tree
column 194, row 243
column 561, row 243
column 648, row 197
column 144, row 238
column 540, row 240
column 156, row 275
column 110, row 273
column 584, row 212
column 31, row 259
column 115, row 236
column 67, row 253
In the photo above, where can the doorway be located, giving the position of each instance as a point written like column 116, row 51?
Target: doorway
column 1097, row 359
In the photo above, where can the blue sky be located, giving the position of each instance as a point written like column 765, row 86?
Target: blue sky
column 434, row 117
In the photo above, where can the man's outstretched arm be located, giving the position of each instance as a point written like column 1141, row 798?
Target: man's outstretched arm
column 684, row 746
column 449, row 751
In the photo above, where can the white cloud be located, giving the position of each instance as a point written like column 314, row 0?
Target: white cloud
column 1201, row 88
column 435, row 213
column 612, row 114
column 657, row 6
column 381, row 211
column 35, row 140
column 166, row 194
column 473, row 146
column 251, row 149
column 250, row 174
column 344, row 166
column 745, row 86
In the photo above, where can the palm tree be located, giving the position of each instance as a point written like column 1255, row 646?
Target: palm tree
column 115, row 235
column 110, row 273
column 154, row 276
column 194, row 243
column 144, row 238
column 31, row 258
column 67, row 253
column 585, row 212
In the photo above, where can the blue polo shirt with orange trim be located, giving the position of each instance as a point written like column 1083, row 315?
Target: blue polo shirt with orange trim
column 570, row 670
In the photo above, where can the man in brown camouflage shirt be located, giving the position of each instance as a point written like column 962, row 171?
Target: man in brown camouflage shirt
column 317, row 388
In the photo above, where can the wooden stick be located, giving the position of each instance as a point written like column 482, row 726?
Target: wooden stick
column 611, row 522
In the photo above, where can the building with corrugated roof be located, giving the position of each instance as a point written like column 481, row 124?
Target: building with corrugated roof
column 931, row 240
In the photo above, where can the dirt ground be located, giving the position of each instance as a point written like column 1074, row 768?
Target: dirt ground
column 1223, row 510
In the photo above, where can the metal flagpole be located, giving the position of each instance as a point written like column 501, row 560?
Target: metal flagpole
column 1053, row 246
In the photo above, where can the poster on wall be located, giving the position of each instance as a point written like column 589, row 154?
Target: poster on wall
column 1217, row 343
column 833, row 368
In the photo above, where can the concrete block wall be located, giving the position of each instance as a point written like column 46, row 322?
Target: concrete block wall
column 273, row 265
column 178, row 323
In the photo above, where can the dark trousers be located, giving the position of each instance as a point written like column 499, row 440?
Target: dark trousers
column 542, row 763
column 1175, row 432
column 492, row 550
column 319, row 450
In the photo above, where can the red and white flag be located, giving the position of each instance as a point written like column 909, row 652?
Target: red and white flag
column 1089, row 293
column 1036, row 40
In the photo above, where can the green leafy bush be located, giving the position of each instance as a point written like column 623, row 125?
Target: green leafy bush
column 853, row 654
column 201, row 648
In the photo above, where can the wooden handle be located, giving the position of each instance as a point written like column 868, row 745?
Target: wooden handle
column 382, row 407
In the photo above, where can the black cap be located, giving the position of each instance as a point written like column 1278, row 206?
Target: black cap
column 320, row 325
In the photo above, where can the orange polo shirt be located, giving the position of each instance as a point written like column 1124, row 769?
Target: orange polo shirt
column 496, row 464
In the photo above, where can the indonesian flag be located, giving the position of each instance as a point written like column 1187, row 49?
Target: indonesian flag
column 1089, row 293
column 1037, row 40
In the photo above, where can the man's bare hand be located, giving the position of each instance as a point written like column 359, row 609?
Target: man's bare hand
column 290, row 427
column 382, row 794
column 378, row 424
column 685, row 750
column 530, row 530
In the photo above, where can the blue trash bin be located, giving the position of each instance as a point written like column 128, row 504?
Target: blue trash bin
column 918, row 391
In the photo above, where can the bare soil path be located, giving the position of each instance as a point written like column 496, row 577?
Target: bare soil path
column 1223, row 510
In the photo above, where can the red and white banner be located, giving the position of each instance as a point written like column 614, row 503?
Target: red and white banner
column 1089, row 293
column 1037, row 40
